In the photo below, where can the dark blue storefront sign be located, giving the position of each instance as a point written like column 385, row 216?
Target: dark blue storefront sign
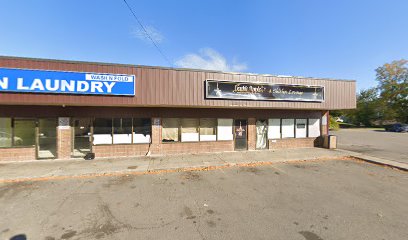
column 39, row 81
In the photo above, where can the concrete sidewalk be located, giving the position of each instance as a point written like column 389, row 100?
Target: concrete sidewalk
column 52, row 169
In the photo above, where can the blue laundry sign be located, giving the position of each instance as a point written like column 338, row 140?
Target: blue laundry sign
column 39, row 81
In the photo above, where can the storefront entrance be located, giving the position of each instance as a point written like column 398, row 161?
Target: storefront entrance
column 47, row 138
column 240, row 133
column 261, row 134
column 81, row 136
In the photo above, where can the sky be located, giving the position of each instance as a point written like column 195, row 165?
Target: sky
column 345, row 39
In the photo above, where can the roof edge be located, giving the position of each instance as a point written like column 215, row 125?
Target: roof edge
column 172, row 68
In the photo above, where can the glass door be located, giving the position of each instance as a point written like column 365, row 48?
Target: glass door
column 261, row 134
column 240, row 133
column 81, row 136
column 47, row 138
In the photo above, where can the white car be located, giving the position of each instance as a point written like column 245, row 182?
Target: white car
column 339, row 119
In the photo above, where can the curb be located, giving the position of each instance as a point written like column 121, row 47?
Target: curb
column 168, row 170
column 387, row 163
column 375, row 160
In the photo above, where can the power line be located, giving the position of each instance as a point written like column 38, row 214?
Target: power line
column 147, row 34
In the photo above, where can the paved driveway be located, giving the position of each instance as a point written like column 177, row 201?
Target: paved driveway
column 298, row 201
column 376, row 143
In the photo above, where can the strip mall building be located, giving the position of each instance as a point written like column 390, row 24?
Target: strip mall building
column 52, row 109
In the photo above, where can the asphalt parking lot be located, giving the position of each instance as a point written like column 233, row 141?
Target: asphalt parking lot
column 332, row 199
column 375, row 142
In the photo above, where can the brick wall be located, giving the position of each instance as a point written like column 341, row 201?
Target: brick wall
column 251, row 133
column 325, row 126
column 17, row 154
column 156, row 135
column 129, row 150
column 64, row 141
column 196, row 147
column 120, row 150
column 294, row 143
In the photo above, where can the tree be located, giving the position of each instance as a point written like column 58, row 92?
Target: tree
column 393, row 85
column 368, row 108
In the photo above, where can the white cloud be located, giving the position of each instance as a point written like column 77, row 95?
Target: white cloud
column 210, row 59
column 152, row 31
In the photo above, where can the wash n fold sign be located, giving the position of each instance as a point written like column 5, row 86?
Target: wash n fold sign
column 56, row 82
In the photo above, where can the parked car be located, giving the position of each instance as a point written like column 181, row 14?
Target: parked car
column 5, row 139
column 397, row 127
column 339, row 119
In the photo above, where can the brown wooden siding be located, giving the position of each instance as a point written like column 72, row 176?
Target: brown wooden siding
column 163, row 87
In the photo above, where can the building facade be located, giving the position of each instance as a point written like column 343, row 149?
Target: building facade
column 53, row 109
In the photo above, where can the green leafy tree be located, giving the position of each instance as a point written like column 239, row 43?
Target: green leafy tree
column 368, row 108
column 336, row 113
column 333, row 125
column 393, row 85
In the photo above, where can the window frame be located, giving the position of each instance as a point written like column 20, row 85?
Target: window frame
column 93, row 132
column 181, row 130
column 13, row 145
column 11, row 133
column 294, row 127
column 113, row 131
column 280, row 128
column 199, row 128
column 319, row 127
column 150, row 131
column 232, row 130
column 178, row 131
column 215, row 130
column 306, row 127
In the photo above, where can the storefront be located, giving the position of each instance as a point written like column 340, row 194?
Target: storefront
column 51, row 109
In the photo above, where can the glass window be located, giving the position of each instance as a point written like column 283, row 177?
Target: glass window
column 142, row 130
column 261, row 134
column 122, row 130
column 47, row 138
column 170, row 130
column 288, row 128
column 102, row 131
column 301, row 130
column 189, row 129
column 314, row 127
column 5, row 132
column 81, row 133
column 274, row 128
column 224, row 129
column 24, row 132
column 208, row 128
